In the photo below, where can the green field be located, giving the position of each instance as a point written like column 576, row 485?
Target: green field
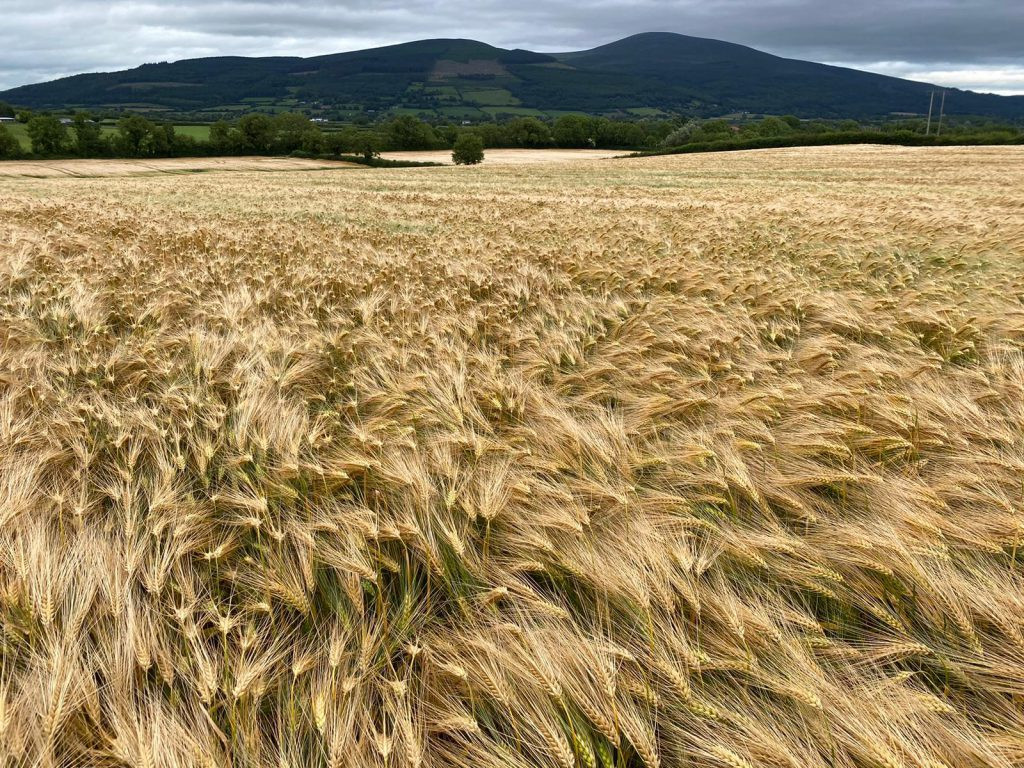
column 491, row 97
column 518, row 111
column 448, row 91
column 197, row 132
column 461, row 113
column 414, row 111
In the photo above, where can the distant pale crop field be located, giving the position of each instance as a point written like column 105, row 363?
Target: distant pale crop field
column 177, row 165
column 712, row 461
column 509, row 156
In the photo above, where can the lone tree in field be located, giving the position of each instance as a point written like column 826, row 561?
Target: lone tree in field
column 367, row 144
column 468, row 149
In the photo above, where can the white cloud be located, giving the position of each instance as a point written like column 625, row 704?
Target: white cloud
column 1005, row 80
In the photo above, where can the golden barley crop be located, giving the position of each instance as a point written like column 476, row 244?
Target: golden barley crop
column 710, row 461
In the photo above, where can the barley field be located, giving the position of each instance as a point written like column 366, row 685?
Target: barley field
column 710, row 461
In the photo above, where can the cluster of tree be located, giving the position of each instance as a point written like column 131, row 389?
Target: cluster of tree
column 265, row 135
column 575, row 132
column 407, row 132
column 135, row 136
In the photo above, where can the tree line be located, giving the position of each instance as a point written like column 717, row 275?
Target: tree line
column 295, row 134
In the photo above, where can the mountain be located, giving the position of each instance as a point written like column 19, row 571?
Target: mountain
column 642, row 74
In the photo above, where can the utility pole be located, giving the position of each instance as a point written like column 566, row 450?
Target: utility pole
column 942, row 111
column 931, row 103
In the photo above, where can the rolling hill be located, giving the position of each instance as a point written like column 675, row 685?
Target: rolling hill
column 465, row 78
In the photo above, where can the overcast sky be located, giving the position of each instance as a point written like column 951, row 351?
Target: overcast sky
column 976, row 44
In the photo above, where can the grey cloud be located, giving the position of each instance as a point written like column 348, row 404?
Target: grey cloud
column 944, row 37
